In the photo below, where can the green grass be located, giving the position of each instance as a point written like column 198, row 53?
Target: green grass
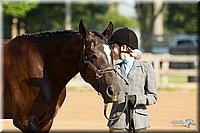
column 80, row 88
column 178, row 79
column 172, row 79
column 72, row 88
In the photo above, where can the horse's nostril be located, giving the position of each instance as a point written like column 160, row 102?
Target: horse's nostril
column 110, row 91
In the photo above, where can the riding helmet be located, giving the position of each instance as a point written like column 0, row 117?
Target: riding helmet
column 125, row 36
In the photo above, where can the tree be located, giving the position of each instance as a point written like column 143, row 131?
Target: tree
column 45, row 17
column 182, row 18
column 97, row 16
column 119, row 20
column 90, row 13
column 146, row 17
column 51, row 17
column 17, row 10
column 179, row 18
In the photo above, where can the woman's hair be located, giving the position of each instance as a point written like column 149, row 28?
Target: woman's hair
column 129, row 49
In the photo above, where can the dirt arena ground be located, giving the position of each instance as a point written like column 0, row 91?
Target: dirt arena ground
column 83, row 111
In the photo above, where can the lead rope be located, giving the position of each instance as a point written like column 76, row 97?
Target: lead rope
column 116, row 117
column 127, row 83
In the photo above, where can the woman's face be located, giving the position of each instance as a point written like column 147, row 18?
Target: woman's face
column 116, row 54
column 124, row 55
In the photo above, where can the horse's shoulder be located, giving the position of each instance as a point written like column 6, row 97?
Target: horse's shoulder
column 22, row 56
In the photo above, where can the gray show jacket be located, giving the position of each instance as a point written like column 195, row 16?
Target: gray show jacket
column 142, row 83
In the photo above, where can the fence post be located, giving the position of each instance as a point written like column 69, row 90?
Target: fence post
column 157, row 70
column 165, row 69
column 14, row 31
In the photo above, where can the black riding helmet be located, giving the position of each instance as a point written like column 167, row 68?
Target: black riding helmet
column 125, row 36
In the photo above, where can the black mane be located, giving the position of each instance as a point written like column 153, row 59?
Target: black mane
column 49, row 37
column 51, row 33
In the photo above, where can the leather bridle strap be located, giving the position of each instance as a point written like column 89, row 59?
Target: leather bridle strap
column 116, row 117
column 99, row 72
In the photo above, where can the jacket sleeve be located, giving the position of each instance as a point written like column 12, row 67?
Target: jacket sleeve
column 149, row 97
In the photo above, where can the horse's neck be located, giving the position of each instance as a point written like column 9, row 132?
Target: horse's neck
column 63, row 64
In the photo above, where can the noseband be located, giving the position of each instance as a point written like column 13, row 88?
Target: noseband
column 98, row 72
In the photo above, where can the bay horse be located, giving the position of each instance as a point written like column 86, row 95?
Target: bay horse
column 38, row 66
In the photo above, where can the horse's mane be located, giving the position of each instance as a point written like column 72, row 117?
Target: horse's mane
column 46, row 35
column 49, row 36
column 51, row 33
column 56, row 38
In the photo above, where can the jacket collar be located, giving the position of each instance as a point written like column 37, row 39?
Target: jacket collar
column 136, row 64
column 119, row 63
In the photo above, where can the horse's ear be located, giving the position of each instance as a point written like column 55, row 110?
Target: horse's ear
column 108, row 31
column 84, row 32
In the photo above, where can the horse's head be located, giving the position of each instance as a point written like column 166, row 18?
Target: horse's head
column 96, row 65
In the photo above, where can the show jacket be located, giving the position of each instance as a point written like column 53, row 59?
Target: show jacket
column 142, row 83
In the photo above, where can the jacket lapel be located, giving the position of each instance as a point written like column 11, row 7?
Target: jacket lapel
column 121, row 70
column 135, row 65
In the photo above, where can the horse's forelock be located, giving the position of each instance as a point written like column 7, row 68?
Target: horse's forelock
column 98, row 35
column 104, row 47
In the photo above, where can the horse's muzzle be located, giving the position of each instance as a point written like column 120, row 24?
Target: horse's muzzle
column 112, row 94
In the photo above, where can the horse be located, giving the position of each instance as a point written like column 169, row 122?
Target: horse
column 38, row 66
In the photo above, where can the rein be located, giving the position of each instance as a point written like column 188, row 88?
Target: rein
column 116, row 117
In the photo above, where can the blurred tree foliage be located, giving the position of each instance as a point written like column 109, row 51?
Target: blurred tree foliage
column 15, row 10
column 182, row 18
column 51, row 17
column 91, row 14
column 178, row 18
column 19, row 9
column 45, row 17
column 146, row 17
column 97, row 16
column 119, row 20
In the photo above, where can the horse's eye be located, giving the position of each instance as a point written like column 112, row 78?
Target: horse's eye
column 92, row 56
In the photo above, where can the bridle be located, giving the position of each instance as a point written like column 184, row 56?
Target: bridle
column 99, row 73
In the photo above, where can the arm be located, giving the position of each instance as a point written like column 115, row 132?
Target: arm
column 150, row 96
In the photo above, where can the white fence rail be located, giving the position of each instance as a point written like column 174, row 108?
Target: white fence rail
column 165, row 71
column 162, row 72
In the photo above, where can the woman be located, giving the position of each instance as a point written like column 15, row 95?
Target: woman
column 138, row 84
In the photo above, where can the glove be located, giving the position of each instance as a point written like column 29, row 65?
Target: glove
column 131, row 101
